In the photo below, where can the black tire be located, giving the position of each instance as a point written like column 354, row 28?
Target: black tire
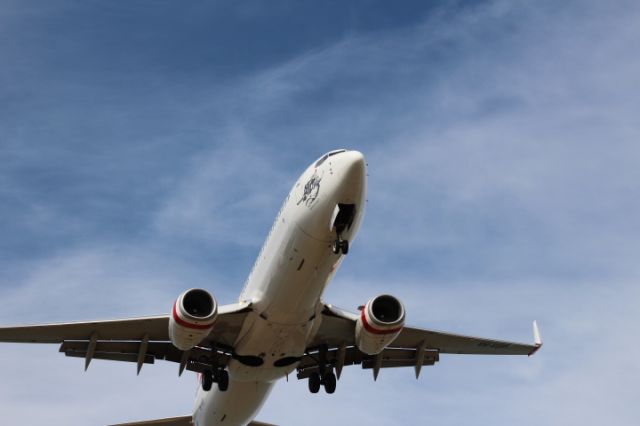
column 344, row 246
column 314, row 382
column 336, row 247
column 329, row 380
column 207, row 381
column 223, row 380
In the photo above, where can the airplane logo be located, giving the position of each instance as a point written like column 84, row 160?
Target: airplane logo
column 311, row 190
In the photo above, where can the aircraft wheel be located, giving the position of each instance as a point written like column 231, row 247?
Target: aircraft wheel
column 223, row 380
column 329, row 380
column 344, row 247
column 207, row 381
column 336, row 247
column 314, row 382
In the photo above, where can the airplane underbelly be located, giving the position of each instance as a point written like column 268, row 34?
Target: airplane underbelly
column 275, row 335
column 268, row 351
column 296, row 285
column 237, row 406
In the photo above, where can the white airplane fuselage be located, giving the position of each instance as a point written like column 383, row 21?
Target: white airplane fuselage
column 285, row 286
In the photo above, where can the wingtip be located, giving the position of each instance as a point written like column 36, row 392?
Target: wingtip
column 537, row 339
column 536, row 334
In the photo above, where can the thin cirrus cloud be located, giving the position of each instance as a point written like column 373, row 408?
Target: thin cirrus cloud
column 501, row 141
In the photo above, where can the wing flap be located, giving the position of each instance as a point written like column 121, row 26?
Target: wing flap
column 393, row 363
column 110, row 356
column 390, row 358
column 198, row 359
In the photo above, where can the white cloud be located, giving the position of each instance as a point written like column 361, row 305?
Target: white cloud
column 102, row 282
column 218, row 198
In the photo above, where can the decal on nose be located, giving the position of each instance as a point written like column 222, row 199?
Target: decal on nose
column 311, row 189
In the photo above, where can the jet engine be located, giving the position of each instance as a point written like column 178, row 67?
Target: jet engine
column 380, row 322
column 192, row 318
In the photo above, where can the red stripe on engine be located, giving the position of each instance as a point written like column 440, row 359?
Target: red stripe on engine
column 184, row 323
column 373, row 330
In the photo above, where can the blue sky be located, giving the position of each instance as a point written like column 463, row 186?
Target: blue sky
column 146, row 146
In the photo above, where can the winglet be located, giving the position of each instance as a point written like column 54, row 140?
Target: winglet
column 537, row 339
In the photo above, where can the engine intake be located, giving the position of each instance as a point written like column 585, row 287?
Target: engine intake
column 192, row 318
column 381, row 321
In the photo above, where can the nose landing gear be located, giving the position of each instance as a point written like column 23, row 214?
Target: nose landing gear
column 344, row 216
column 340, row 246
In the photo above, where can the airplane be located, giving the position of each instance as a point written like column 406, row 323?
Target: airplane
column 280, row 323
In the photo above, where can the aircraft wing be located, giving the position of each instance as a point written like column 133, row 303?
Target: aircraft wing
column 178, row 421
column 138, row 340
column 414, row 347
column 173, row 421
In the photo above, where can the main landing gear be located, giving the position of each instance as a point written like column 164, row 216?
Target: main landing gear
column 328, row 380
column 221, row 377
column 324, row 376
column 216, row 374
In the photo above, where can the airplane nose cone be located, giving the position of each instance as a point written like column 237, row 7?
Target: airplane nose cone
column 354, row 174
column 338, row 179
column 354, row 161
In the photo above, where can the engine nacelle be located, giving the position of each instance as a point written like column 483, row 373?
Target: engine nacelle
column 192, row 318
column 380, row 322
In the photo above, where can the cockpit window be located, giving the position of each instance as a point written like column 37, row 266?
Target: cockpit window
column 327, row 155
column 322, row 160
